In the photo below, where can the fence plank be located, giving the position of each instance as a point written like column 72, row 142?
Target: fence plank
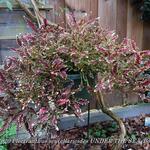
column 88, row 6
column 78, row 4
column 59, row 10
column 113, row 16
column 5, row 46
column 11, row 24
column 94, row 8
column 121, row 21
column 107, row 13
column 146, row 35
column 134, row 26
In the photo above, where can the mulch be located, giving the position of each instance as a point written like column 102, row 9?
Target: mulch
column 136, row 131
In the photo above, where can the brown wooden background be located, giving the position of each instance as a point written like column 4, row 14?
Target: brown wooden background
column 116, row 15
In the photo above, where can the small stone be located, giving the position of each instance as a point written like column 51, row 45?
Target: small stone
column 147, row 121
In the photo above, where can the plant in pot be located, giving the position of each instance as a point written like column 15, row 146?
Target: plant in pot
column 37, row 84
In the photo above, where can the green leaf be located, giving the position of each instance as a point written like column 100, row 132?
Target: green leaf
column 103, row 131
column 148, row 136
column 133, row 137
column 114, row 125
column 91, row 131
column 103, row 136
column 98, row 133
column 112, row 129
column 10, row 132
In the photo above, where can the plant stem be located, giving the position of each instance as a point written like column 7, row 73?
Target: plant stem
column 26, row 9
column 37, row 13
column 100, row 99
column 32, row 16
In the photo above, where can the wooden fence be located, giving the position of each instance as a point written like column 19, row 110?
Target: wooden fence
column 118, row 15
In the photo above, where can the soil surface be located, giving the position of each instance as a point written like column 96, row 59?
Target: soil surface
column 100, row 137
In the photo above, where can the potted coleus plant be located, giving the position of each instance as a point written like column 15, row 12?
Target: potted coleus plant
column 38, row 89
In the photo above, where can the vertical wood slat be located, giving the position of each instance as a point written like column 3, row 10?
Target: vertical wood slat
column 78, row 4
column 88, row 6
column 5, row 51
column 59, row 9
column 43, row 13
column 134, row 26
column 121, row 19
column 107, row 14
column 94, row 8
column 146, row 35
column 11, row 24
column 113, row 16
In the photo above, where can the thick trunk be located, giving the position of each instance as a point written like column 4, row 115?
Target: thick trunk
column 99, row 97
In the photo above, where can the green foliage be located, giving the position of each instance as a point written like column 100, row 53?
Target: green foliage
column 5, row 135
column 102, row 132
column 8, row 133
column 132, row 136
column 148, row 136
column 3, row 147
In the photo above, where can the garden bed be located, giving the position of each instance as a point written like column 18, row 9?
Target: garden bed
column 101, row 128
column 136, row 132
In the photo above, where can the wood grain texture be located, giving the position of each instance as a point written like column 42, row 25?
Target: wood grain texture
column 59, row 12
column 113, row 16
column 134, row 26
column 5, row 51
column 12, row 24
column 88, row 6
column 107, row 12
column 94, row 8
column 82, row 5
column 146, row 35
column 121, row 21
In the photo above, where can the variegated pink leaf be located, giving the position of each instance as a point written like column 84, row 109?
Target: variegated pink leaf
column 62, row 102
column 138, row 58
column 145, row 53
column 54, row 120
column 146, row 83
column 42, row 111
